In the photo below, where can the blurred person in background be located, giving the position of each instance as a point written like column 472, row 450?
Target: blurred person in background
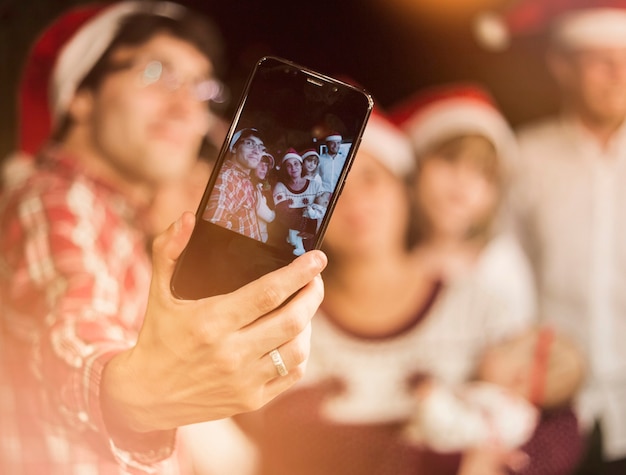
column 100, row 365
column 465, row 150
column 465, row 153
column 570, row 202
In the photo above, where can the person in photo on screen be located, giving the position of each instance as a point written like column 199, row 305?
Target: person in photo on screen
column 233, row 200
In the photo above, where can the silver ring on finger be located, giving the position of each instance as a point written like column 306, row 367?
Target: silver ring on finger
column 278, row 362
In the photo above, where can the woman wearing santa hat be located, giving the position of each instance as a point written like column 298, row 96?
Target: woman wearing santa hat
column 293, row 193
column 571, row 199
column 370, row 297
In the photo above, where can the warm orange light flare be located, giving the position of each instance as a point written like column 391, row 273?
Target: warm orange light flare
column 440, row 10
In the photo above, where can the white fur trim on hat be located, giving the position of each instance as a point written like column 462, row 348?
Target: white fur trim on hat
column 270, row 159
column 309, row 153
column 289, row 155
column 334, row 138
column 591, row 27
column 388, row 144
column 88, row 44
column 460, row 116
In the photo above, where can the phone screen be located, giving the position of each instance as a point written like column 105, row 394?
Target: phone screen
column 276, row 180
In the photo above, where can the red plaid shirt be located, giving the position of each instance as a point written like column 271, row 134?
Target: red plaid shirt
column 232, row 203
column 74, row 277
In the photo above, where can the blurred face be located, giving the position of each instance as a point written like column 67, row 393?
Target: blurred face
column 453, row 190
column 248, row 152
column 144, row 128
column 310, row 165
column 372, row 214
column 261, row 170
column 333, row 146
column 293, row 168
column 594, row 82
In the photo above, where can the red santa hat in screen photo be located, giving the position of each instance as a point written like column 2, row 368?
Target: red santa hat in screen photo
column 388, row 144
column 291, row 153
column 61, row 58
column 443, row 112
column 570, row 23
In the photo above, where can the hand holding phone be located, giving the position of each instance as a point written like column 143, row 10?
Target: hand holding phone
column 276, row 180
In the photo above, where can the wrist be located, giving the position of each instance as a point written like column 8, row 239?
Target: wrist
column 124, row 402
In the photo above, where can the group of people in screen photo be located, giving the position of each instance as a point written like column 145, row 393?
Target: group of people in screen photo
column 279, row 199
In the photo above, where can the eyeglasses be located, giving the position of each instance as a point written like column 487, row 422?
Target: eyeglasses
column 154, row 73
column 251, row 144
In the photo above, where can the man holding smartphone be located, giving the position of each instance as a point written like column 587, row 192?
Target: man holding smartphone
column 99, row 362
column 233, row 201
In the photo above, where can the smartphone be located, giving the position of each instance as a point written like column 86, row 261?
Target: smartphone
column 276, row 179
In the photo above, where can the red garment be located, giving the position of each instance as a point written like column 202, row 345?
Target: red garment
column 74, row 278
column 232, row 203
column 295, row 438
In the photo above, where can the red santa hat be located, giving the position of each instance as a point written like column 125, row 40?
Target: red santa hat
column 334, row 137
column 571, row 23
column 310, row 153
column 269, row 158
column 387, row 143
column 443, row 112
column 291, row 153
column 61, row 58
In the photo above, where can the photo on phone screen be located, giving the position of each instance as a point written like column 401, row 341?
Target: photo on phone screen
column 276, row 180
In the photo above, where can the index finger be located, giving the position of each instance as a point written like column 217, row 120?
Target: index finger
column 272, row 290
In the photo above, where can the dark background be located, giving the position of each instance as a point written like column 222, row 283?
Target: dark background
column 390, row 47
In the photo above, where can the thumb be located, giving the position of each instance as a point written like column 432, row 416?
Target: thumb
column 168, row 246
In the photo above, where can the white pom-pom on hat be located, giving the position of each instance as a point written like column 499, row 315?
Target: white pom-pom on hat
column 491, row 31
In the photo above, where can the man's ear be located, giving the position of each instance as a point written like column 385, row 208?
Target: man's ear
column 81, row 106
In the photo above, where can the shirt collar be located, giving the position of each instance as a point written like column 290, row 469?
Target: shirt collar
column 584, row 140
